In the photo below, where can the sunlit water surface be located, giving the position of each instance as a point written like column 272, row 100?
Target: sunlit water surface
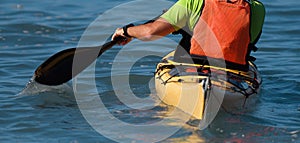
column 31, row 31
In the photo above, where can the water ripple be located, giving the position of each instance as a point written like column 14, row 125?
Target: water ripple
column 32, row 31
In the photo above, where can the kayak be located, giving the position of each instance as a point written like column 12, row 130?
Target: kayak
column 191, row 87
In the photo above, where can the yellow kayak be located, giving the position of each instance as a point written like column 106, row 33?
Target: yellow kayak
column 192, row 87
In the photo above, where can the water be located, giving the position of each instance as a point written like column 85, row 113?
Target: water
column 31, row 31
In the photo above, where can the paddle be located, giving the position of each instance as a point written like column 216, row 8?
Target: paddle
column 58, row 69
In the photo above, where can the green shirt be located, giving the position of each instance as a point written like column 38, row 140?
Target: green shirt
column 187, row 12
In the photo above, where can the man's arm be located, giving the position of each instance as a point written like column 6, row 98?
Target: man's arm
column 146, row 32
column 151, row 31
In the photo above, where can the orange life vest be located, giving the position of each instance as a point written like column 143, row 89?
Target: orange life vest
column 223, row 31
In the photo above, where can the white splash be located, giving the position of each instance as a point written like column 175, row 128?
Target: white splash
column 33, row 88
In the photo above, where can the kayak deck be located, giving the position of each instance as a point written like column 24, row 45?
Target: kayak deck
column 190, row 86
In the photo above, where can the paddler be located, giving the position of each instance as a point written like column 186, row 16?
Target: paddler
column 225, row 30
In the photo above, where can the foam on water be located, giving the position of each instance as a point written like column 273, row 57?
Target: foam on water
column 33, row 88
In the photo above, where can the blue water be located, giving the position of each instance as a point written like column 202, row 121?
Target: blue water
column 31, row 31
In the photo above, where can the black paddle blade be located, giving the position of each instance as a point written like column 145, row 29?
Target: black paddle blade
column 59, row 69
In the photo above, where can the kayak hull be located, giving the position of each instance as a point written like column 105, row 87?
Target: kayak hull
column 177, row 84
